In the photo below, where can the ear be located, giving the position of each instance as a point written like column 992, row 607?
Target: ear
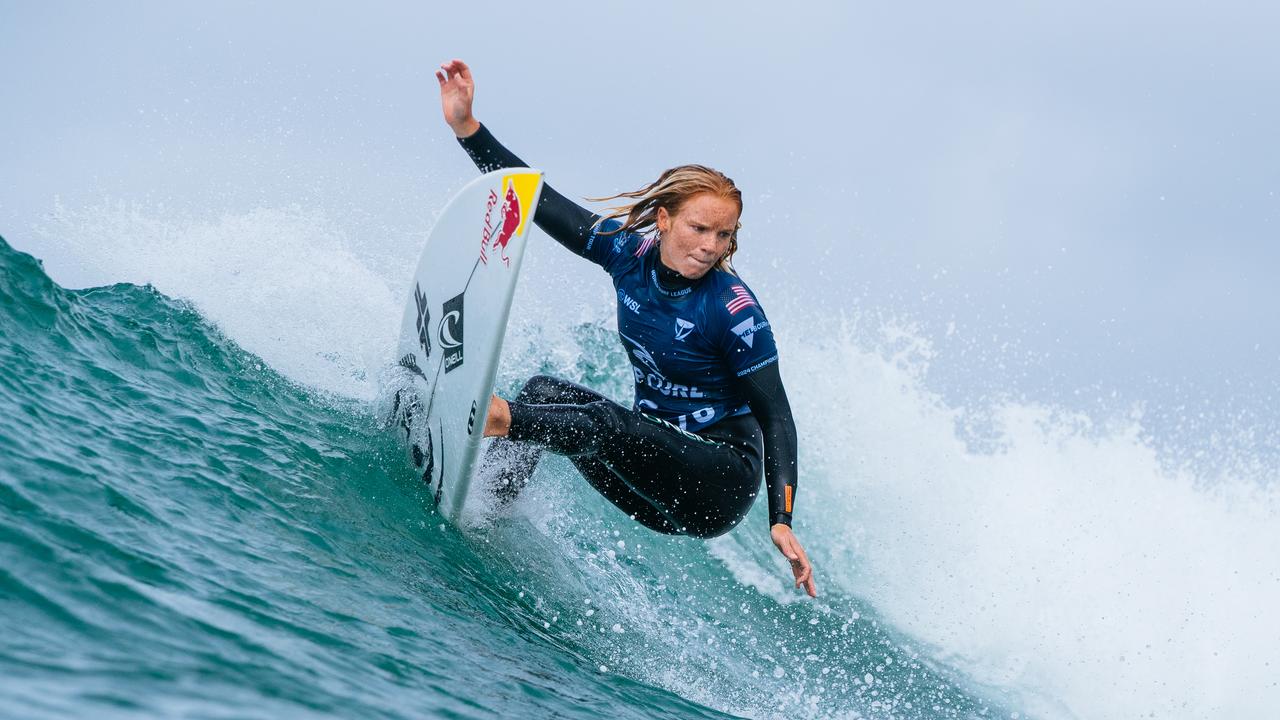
column 664, row 220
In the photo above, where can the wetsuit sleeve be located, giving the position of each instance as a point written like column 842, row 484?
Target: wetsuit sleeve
column 747, row 344
column 745, row 338
column 613, row 250
column 569, row 223
column 768, row 400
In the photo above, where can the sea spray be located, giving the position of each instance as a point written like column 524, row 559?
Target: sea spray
column 974, row 557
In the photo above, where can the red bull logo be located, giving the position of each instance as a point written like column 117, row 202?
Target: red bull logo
column 512, row 213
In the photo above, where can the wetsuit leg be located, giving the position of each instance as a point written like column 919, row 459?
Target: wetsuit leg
column 510, row 464
column 697, row 486
column 607, row 483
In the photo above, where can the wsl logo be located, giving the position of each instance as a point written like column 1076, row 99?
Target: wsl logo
column 424, row 320
column 451, row 333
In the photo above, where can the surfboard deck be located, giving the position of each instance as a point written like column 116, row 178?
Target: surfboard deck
column 452, row 330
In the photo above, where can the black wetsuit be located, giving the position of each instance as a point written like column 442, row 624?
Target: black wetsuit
column 710, row 408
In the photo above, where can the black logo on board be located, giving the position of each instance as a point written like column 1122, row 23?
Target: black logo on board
column 424, row 320
column 451, row 333
column 471, row 421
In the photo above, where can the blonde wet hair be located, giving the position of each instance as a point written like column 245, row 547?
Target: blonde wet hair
column 672, row 189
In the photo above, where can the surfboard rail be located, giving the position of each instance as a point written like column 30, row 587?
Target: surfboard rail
column 453, row 326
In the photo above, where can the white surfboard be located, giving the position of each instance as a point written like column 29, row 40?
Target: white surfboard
column 453, row 326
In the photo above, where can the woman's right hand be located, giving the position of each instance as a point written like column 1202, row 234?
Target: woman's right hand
column 457, row 90
column 789, row 546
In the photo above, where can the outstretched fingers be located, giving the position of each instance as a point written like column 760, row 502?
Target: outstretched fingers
column 793, row 551
column 801, row 567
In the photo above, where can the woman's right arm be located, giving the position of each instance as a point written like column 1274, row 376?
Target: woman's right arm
column 569, row 223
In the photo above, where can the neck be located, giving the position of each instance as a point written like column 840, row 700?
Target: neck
column 670, row 281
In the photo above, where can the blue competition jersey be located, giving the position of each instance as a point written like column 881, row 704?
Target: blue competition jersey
column 687, row 347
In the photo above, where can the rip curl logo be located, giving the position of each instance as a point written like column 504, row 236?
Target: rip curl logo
column 645, row 369
column 450, row 332
column 644, row 356
column 747, row 329
column 683, row 328
column 513, row 213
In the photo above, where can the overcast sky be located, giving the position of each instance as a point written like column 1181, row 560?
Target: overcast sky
column 1095, row 184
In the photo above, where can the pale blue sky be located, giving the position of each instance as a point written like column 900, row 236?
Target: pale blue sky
column 1087, row 192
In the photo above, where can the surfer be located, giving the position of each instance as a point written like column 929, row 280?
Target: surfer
column 710, row 410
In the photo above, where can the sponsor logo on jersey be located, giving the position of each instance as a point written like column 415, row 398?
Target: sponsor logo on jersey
column 450, row 333
column 424, row 320
column 646, row 371
column 747, row 329
column 683, row 328
column 627, row 302
column 513, row 211
column 738, row 299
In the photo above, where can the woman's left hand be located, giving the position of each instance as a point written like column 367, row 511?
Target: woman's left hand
column 457, row 92
column 789, row 546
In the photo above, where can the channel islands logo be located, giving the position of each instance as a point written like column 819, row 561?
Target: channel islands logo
column 513, row 210
column 424, row 320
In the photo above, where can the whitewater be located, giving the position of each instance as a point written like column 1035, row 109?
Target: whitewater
column 202, row 515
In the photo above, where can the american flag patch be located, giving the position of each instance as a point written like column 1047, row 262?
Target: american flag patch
column 739, row 300
column 644, row 246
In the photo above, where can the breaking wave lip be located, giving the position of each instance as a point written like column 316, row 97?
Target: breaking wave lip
column 680, row 631
column 1066, row 560
column 286, row 283
column 1061, row 561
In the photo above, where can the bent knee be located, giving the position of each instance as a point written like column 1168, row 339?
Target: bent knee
column 540, row 389
column 607, row 416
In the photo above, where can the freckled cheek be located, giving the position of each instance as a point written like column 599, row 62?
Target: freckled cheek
column 688, row 243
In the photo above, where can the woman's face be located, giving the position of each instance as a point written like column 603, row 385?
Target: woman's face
column 695, row 238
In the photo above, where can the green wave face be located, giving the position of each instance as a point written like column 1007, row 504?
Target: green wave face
column 183, row 531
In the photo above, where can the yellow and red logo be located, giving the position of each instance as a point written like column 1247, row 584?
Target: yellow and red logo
column 515, row 208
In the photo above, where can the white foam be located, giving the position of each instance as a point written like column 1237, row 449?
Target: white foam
column 284, row 283
column 1068, row 564
column 1065, row 563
